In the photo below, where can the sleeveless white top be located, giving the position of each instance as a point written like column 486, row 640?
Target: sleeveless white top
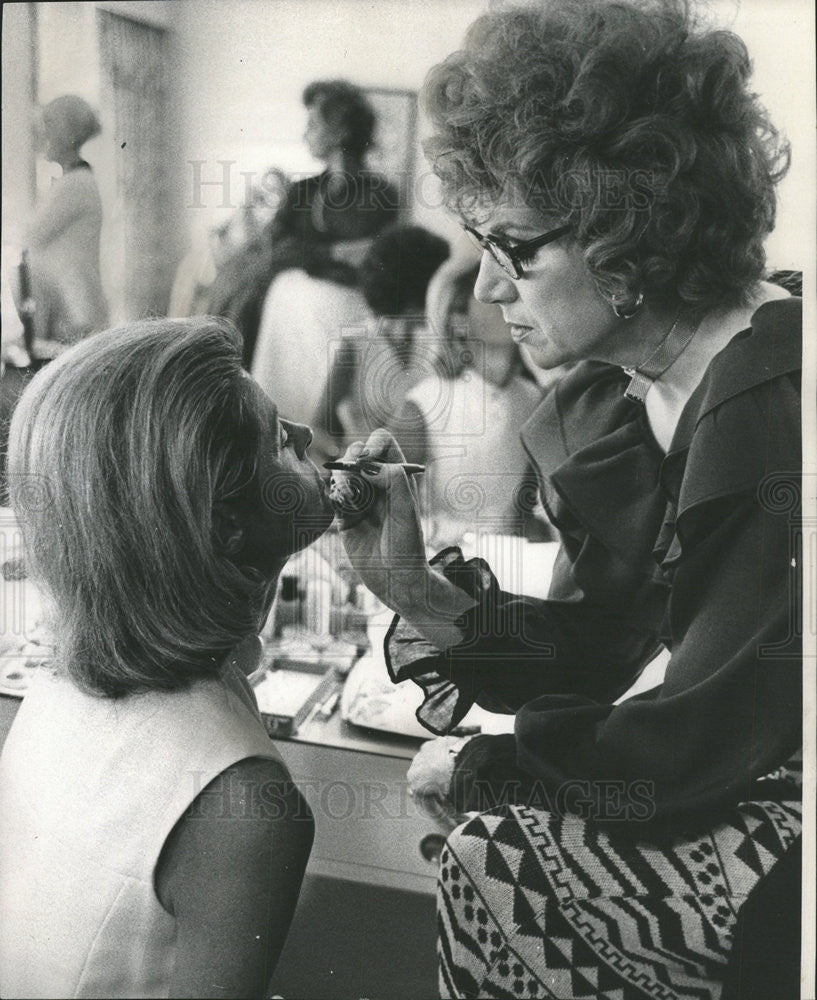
column 90, row 788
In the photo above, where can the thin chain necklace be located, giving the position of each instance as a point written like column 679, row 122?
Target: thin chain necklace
column 668, row 351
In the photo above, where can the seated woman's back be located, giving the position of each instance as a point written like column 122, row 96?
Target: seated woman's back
column 151, row 840
column 475, row 460
column 462, row 420
column 91, row 791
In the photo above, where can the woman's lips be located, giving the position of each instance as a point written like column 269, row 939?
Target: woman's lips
column 520, row 333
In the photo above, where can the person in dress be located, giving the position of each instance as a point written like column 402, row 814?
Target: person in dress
column 151, row 840
column 618, row 173
column 62, row 241
column 322, row 228
column 346, row 201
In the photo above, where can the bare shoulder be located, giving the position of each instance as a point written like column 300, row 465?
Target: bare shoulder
column 234, row 820
column 245, row 789
column 230, row 874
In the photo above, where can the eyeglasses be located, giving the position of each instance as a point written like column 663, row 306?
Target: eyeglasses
column 511, row 259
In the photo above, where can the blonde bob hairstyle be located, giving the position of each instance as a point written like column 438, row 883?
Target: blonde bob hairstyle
column 133, row 435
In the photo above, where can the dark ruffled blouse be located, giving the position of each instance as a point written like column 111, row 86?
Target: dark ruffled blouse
column 695, row 550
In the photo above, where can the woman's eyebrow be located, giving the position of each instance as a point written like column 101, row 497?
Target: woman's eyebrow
column 500, row 230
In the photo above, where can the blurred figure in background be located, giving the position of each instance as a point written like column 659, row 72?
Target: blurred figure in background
column 345, row 201
column 371, row 374
column 303, row 317
column 326, row 222
column 463, row 420
column 229, row 252
column 62, row 241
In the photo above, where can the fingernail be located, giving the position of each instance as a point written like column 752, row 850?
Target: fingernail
column 370, row 468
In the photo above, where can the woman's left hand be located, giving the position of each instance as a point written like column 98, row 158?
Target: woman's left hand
column 432, row 769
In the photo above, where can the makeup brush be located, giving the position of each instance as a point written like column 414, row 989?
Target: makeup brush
column 361, row 463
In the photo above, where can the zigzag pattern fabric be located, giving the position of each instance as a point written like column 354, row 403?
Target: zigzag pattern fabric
column 535, row 905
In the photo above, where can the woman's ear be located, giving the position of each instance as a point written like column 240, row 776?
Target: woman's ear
column 229, row 532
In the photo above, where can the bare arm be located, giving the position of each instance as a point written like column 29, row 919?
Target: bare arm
column 230, row 873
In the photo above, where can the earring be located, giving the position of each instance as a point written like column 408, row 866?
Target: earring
column 622, row 313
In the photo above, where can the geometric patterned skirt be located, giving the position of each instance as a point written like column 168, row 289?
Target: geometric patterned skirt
column 536, row 905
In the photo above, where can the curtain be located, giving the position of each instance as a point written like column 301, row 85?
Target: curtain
column 135, row 94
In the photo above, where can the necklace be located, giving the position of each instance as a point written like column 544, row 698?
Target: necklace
column 668, row 351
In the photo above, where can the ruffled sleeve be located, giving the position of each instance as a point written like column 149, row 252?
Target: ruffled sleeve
column 721, row 513
column 729, row 709
column 600, row 624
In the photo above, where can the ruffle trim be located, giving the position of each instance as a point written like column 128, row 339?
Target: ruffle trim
column 409, row 655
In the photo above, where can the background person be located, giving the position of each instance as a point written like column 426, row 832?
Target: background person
column 151, row 840
column 621, row 841
column 229, row 251
column 63, row 238
column 323, row 227
column 371, row 374
column 345, row 201
column 462, row 422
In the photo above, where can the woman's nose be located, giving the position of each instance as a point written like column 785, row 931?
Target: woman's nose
column 493, row 284
column 302, row 436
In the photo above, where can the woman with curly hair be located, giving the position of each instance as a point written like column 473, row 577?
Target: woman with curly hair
column 619, row 176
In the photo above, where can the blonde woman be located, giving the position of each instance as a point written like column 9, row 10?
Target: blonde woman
column 462, row 421
column 151, row 841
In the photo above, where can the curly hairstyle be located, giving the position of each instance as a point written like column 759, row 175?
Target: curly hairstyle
column 397, row 268
column 132, row 436
column 344, row 107
column 627, row 120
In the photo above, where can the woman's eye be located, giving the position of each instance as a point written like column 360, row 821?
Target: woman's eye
column 284, row 440
column 526, row 256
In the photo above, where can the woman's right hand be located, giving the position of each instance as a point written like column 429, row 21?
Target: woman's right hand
column 383, row 538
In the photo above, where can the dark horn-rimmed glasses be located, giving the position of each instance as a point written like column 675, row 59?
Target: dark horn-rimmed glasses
column 512, row 258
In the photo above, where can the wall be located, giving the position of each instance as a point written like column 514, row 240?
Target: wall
column 244, row 64
column 17, row 139
column 780, row 37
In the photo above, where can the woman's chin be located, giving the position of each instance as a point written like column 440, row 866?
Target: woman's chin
column 545, row 355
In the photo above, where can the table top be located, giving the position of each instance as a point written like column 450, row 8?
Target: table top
column 336, row 732
column 520, row 566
